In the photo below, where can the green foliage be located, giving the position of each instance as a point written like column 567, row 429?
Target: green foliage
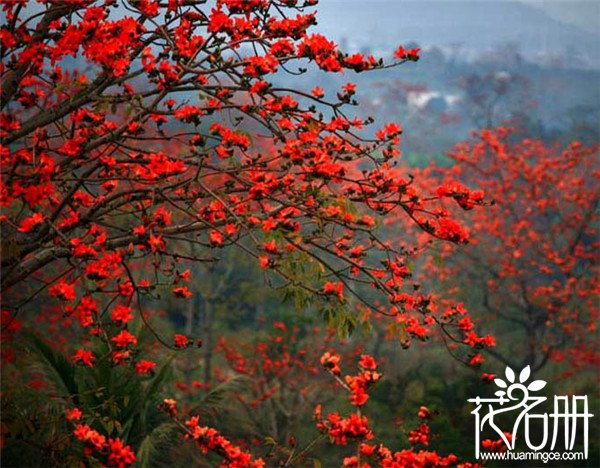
column 118, row 403
column 217, row 399
column 339, row 318
column 154, row 444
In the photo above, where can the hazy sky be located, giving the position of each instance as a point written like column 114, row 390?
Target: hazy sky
column 585, row 14
column 582, row 13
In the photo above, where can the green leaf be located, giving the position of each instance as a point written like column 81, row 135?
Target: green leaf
column 158, row 379
column 62, row 371
column 161, row 437
column 216, row 398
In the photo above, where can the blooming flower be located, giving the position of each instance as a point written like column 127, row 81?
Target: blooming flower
column 73, row 414
column 182, row 291
column 181, row 341
column 145, row 367
column 121, row 314
column 84, row 357
column 124, row 339
column 120, row 455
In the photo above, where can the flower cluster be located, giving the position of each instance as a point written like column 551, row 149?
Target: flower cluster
column 279, row 364
column 360, row 383
column 355, row 427
column 497, row 445
column 209, row 439
column 114, row 451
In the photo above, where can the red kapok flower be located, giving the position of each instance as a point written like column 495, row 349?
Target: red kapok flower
column 120, row 455
column 124, row 339
column 82, row 356
column 423, row 412
column 29, row 223
column 181, row 341
column 331, row 361
column 86, row 434
column 145, row 367
column 121, row 314
column 367, row 362
column 181, row 291
column 63, row 290
column 73, row 414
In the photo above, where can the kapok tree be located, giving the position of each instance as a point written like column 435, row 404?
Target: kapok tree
column 532, row 266
column 351, row 432
column 283, row 372
column 284, row 383
column 125, row 154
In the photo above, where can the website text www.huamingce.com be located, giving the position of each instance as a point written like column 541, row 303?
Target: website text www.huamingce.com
column 545, row 457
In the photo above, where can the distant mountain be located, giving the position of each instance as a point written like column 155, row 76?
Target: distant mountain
column 478, row 26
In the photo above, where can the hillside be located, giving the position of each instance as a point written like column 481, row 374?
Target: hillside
column 477, row 26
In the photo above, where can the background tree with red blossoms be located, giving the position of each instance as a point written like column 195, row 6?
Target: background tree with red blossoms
column 533, row 261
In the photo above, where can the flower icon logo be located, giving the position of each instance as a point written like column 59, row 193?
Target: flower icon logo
column 512, row 384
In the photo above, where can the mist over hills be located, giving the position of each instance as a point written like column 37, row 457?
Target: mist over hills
column 477, row 26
